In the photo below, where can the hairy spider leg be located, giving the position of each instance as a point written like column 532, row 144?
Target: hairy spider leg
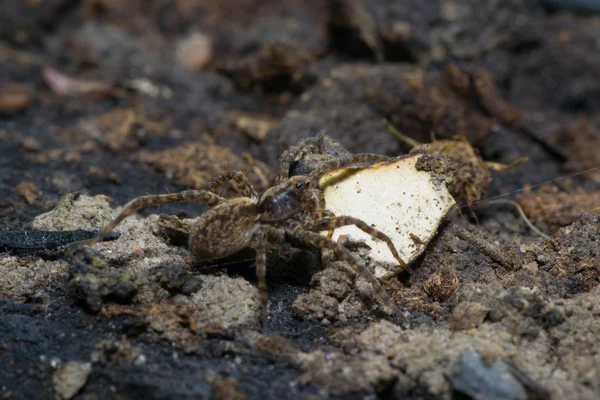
column 367, row 159
column 151, row 200
column 290, row 157
column 330, row 224
column 321, row 242
column 302, row 148
column 242, row 182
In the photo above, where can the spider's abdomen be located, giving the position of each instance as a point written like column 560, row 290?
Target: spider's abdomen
column 224, row 229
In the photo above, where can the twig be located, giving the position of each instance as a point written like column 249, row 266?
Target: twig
column 29, row 241
column 508, row 260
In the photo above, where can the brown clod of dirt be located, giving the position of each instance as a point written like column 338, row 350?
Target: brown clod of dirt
column 472, row 176
column 96, row 174
column 15, row 98
column 28, row 190
column 342, row 374
column 31, row 144
column 480, row 85
column 429, row 104
column 415, row 299
column 118, row 129
column 581, row 141
column 571, row 256
column 255, row 126
column 353, row 18
column 441, row 284
column 467, row 315
column 275, row 67
column 550, row 208
column 173, row 322
column 485, row 88
column 226, row 389
column 196, row 164
column 116, row 352
column 274, row 344
column 194, row 52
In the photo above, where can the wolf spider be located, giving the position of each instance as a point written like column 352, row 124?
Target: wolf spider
column 293, row 209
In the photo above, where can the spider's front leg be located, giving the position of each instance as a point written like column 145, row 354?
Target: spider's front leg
column 151, row 200
column 355, row 161
column 321, row 242
column 241, row 180
column 326, row 222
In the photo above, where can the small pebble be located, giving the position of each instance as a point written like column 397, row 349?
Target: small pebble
column 194, row 52
column 70, row 378
column 480, row 380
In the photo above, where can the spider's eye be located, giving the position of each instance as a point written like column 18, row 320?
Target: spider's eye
column 303, row 183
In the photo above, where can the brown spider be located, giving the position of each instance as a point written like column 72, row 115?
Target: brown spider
column 293, row 210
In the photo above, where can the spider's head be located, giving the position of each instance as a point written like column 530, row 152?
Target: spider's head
column 286, row 199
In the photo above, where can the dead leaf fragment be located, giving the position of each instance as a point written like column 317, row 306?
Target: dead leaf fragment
column 441, row 284
column 64, row 85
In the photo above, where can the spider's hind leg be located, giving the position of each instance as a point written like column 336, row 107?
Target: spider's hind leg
column 321, row 242
column 148, row 201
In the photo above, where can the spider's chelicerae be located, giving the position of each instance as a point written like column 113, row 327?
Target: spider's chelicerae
column 293, row 209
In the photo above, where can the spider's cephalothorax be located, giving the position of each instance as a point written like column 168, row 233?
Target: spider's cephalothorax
column 286, row 200
column 293, row 209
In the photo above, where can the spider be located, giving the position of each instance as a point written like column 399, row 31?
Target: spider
column 293, row 209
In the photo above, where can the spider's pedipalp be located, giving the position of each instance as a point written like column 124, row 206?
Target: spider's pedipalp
column 148, row 201
column 241, row 180
column 321, row 242
column 322, row 217
column 331, row 223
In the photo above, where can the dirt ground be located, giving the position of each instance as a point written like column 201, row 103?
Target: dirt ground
column 102, row 101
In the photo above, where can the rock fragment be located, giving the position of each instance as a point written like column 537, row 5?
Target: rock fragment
column 473, row 376
column 70, row 378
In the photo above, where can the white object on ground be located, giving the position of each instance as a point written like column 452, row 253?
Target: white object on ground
column 394, row 197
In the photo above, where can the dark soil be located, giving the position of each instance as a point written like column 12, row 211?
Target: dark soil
column 120, row 99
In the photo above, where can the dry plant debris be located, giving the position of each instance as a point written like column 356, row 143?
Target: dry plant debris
column 552, row 208
column 581, row 142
